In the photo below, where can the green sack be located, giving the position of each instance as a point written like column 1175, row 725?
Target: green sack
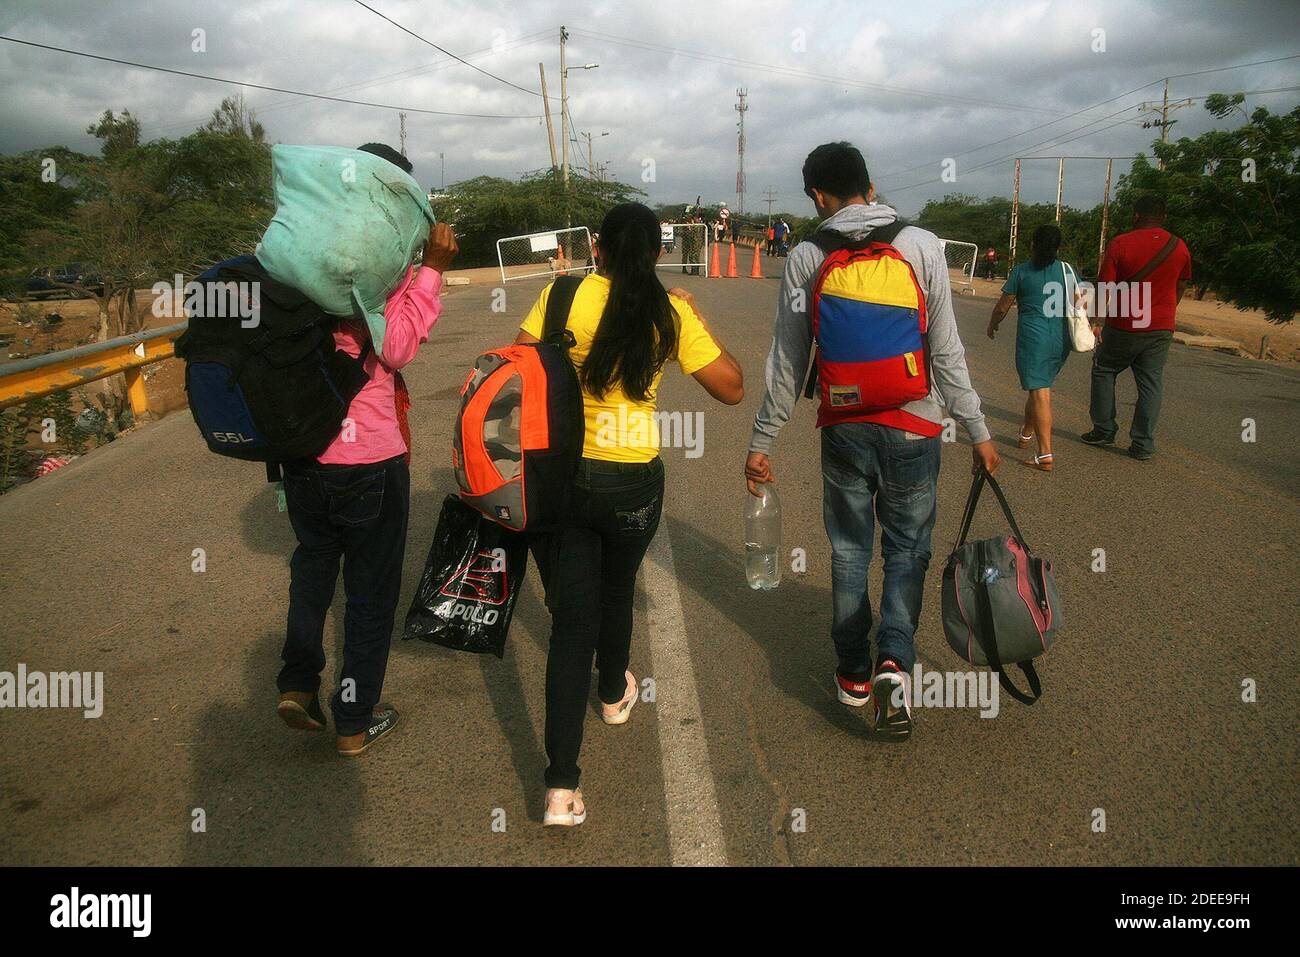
column 347, row 225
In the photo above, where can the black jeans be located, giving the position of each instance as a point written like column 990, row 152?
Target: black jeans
column 356, row 513
column 589, row 570
column 1146, row 353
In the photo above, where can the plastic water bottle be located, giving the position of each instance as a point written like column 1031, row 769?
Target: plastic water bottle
column 763, row 539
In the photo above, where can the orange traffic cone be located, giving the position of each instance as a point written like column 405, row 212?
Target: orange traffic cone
column 756, row 271
column 715, row 268
column 731, row 261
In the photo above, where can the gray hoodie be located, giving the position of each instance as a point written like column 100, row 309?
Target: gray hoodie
column 787, row 363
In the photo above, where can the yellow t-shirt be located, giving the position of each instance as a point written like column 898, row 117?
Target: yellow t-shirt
column 620, row 429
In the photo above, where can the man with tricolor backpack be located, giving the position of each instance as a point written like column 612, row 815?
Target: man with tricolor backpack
column 870, row 294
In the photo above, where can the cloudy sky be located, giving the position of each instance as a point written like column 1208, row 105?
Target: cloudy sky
column 911, row 83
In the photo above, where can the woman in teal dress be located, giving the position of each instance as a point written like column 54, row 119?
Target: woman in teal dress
column 1038, row 289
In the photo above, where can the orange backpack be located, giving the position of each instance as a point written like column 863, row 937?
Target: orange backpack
column 518, row 436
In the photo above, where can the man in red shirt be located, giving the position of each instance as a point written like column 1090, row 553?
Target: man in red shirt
column 1147, row 271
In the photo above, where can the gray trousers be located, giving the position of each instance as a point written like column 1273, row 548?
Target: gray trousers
column 1145, row 353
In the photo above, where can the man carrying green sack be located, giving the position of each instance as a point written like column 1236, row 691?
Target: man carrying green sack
column 347, row 225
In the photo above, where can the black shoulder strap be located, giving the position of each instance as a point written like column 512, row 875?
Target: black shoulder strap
column 988, row 642
column 558, row 304
column 1156, row 261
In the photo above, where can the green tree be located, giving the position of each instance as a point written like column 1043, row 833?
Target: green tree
column 486, row 208
column 1234, row 197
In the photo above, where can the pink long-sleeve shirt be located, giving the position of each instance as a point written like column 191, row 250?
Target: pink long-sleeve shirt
column 371, row 433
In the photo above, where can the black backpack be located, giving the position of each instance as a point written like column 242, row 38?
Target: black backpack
column 276, row 391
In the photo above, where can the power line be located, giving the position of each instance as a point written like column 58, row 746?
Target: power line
column 271, row 89
column 1051, row 140
column 1057, row 140
column 499, row 79
column 408, row 73
column 802, row 74
column 1067, row 116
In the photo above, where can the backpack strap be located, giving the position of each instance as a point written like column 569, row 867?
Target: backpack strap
column 829, row 241
column 1155, row 262
column 558, row 304
column 990, row 647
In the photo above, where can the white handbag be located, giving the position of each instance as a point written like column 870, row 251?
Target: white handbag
column 1076, row 314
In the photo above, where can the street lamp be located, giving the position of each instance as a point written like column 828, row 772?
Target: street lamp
column 564, row 107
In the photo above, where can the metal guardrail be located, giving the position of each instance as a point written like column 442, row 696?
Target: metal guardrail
column 36, row 376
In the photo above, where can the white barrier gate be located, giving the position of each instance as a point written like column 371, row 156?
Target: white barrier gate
column 551, row 253
column 961, row 258
column 685, row 247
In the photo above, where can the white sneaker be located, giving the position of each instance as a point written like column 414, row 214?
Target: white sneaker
column 619, row 713
column 564, row 808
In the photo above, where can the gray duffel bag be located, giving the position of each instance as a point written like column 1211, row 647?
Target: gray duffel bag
column 1000, row 604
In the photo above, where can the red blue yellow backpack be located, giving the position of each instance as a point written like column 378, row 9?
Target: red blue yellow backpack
column 869, row 323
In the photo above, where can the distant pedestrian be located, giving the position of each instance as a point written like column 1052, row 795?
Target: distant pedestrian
column 771, row 240
column 990, row 263
column 1041, row 293
column 1149, row 269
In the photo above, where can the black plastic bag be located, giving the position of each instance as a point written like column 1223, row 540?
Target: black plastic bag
column 470, row 582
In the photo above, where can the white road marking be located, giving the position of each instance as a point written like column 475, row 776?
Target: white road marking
column 694, row 824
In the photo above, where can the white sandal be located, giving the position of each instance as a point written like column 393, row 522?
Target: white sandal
column 564, row 808
column 620, row 712
column 1041, row 462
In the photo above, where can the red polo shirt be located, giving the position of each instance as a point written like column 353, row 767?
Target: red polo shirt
column 1152, row 306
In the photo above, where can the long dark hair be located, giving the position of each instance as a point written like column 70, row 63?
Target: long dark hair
column 637, row 332
column 1044, row 245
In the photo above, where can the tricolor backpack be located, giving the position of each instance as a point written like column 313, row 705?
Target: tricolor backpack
column 518, row 437
column 869, row 322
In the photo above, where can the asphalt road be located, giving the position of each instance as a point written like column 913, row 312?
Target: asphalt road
column 744, row 756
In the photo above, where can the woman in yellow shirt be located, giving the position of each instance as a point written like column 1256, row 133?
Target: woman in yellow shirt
column 626, row 328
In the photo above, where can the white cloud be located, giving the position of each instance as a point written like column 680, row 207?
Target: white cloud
column 655, row 103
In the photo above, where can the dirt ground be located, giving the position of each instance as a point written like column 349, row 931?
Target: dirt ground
column 1209, row 317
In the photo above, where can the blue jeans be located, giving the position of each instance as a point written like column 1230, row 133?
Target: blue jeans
column 356, row 515
column 873, row 472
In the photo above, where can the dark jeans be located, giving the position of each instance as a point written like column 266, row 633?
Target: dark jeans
column 875, row 473
column 357, row 514
column 1145, row 352
column 589, row 570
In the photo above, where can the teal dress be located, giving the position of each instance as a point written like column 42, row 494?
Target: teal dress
column 1042, row 335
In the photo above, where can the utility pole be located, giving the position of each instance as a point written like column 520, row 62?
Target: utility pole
column 1060, row 188
column 1163, row 109
column 1015, row 219
column 550, row 128
column 741, row 108
column 1105, row 213
column 401, row 119
column 770, row 198
column 564, row 105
